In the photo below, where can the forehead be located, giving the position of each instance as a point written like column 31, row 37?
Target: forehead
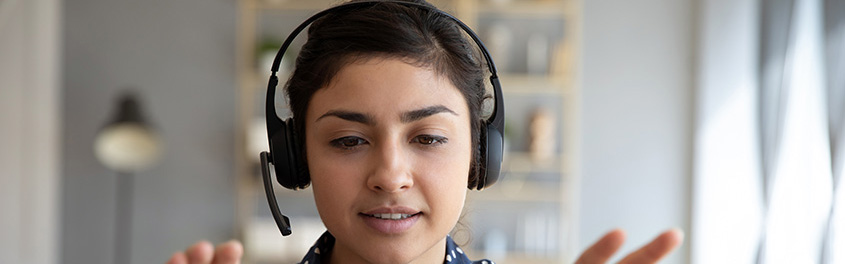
column 386, row 85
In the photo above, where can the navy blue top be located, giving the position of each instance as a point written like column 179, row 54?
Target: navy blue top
column 454, row 254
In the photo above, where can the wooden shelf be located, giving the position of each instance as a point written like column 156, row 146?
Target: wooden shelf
column 522, row 162
column 294, row 5
column 519, row 191
column 534, row 84
column 523, row 8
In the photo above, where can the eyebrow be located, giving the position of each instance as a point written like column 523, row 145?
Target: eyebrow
column 406, row 117
column 350, row 116
column 415, row 115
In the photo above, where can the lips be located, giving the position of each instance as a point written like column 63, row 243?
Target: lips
column 391, row 220
column 390, row 216
column 401, row 210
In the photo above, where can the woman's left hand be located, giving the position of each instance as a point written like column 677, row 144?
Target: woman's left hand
column 204, row 253
column 652, row 252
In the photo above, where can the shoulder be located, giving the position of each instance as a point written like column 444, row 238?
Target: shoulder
column 323, row 245
column 455, row 255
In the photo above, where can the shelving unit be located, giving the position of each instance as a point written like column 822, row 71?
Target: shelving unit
column 528, row 217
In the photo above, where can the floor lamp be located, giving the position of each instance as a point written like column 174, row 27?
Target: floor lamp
column 126, row 144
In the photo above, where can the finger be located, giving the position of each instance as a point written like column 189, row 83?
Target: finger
column 656, row 249
column 603, row 249
column 228, row 253
column 178, row 258
column 200, row 253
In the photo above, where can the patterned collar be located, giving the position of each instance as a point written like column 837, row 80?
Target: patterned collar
column 454, row 254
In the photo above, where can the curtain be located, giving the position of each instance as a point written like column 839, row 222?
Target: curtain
column 30, row 112
column 769, row 133
column 834, row 31
column 795, row 144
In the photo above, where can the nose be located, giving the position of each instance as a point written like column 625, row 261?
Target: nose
column 391, row 163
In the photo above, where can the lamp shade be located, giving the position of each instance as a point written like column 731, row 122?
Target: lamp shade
column 127, row 143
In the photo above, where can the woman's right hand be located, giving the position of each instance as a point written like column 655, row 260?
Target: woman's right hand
column 204, row 253
column 651, row 253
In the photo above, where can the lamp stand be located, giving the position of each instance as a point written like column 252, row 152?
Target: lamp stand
column 123, row 226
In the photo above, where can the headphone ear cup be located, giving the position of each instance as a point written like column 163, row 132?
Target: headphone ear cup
column 492, row 150
column 284, row 152
column 298, row 166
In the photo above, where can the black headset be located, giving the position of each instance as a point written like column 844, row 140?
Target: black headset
column 284, row 147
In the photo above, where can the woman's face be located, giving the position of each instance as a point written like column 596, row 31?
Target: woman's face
column 389, row 148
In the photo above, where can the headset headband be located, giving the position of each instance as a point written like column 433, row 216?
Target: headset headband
column 496, row 119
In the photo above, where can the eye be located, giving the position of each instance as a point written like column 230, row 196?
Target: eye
column 349, row 142
column 429, row 140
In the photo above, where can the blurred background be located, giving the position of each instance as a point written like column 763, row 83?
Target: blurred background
column 721, row 118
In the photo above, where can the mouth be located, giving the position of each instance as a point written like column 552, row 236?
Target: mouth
column 392, row 216
column 391, row 221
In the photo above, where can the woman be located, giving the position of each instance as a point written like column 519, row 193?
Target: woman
column 390, row 120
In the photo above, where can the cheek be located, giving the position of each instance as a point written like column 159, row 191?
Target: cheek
column 445, row 182
column 334, row 185
column 449, row 172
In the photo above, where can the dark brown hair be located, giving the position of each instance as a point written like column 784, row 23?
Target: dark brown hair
column 418, row 36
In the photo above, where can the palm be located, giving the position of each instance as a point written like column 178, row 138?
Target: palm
column 652, row 252
column 204, row 253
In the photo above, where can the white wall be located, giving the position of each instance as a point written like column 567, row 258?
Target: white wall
column 29, row 146
column 179, row 56
column 636, row 113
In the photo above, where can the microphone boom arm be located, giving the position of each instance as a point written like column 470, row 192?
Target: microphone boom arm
column 282, row 221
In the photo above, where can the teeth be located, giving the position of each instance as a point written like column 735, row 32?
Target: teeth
column 391, row 216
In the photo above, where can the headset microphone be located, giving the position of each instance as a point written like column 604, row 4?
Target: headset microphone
column 281, row 220
column 284, row 146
